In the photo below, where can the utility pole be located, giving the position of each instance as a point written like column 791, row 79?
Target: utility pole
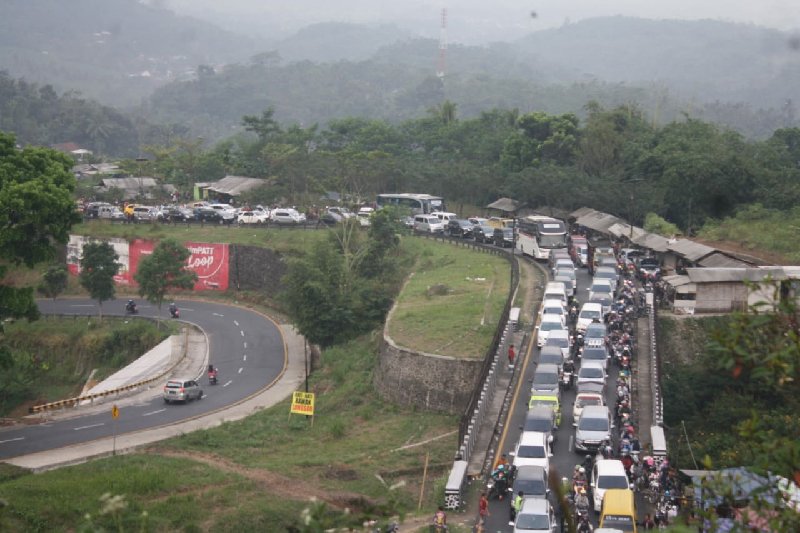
column 440, row 70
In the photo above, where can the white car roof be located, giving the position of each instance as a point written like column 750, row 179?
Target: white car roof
column 559, row 333
column 553, row 301
column 550, row 317
column 609, row 467
column 532, row 437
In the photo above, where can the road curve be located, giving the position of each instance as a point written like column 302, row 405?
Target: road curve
column 248, row 349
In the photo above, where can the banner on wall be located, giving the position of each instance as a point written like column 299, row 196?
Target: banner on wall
column 209, row 261
column 121, row 247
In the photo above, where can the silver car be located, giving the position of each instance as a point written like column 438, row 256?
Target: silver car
column 182, row 390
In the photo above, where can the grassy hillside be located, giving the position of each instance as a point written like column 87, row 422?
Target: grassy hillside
column 258, row 473
column 452, row 303
column 53, row 357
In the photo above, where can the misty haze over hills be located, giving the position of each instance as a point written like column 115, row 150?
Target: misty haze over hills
column 138, row 55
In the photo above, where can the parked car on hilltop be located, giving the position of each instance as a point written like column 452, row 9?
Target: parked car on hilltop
column 459, row 228
column 252, row 217
column 483, row 233
column 287, row 216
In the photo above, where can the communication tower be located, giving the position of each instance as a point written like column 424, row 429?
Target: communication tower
column 440, row 69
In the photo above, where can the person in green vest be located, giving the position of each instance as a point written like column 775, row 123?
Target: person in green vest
column 516, row 506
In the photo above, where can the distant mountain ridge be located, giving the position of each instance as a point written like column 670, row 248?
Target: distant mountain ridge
column 704, row 60
column 114, row 50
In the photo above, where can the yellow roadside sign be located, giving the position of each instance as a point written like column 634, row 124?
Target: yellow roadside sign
column 302, row 403
column 114, row 411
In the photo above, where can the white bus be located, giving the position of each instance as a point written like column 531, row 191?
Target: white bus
column 537, row 235
column 418, row 204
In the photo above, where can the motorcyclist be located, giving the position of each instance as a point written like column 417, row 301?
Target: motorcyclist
column 500, row 479
column 569, row 368
column 588, row 461
column 582, row 502
column 173, row 309
column 212, row 374
column 579, row 479
column 130, row 306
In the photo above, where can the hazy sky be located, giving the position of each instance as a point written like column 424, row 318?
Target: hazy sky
column 479, row 20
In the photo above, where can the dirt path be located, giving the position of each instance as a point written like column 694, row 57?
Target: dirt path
column 290, row 488
column 530, row 279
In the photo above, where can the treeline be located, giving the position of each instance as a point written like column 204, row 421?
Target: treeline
column 392, row 86
column 688, row 171
column 39, row 115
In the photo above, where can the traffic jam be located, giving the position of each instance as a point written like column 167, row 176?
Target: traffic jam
column 574, row 426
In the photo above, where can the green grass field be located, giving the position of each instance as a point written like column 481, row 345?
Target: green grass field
column 452, row 302
column 287, row 240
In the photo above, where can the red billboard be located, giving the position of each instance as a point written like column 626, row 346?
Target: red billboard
column 208, row 261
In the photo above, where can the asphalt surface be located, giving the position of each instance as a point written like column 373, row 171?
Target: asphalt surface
column 247, row 348
column 564, row 455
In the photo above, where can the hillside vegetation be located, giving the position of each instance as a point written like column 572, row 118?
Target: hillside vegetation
column 53, row 358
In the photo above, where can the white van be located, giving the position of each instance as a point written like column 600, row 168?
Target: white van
column 556, row 290
column 445, row 216
column 428, row 224
column 549, row 323
column 607, row 474
column 590, row 311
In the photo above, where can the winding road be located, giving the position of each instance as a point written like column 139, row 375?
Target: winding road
column 248, row 349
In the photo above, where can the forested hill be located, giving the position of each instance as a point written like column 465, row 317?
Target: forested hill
column 703, row 60
column 116, row 51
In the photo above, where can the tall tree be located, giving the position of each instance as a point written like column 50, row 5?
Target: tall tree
column 265, row 126
column 54, row 281
column 36, row 211
column 163, row 271
column 98, row 268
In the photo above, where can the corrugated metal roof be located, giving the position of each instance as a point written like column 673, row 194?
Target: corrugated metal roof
column 581, row 211
column 623, row 229
column 652, row 241
column 717, row 259
column 693, row 251
column 236, row 185
column 137, row 183
column 718, row 275
column 504, row 204
column 598, row 221
column 677, row 280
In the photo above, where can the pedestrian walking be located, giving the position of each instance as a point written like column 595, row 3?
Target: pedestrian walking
column 483, row 509
column 439, row 521
column 511, row 356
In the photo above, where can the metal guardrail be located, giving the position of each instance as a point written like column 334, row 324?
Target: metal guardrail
column 69, row 402
column 655, row 370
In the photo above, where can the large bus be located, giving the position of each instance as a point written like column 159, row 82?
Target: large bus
column 537, row 235
column 418, row 204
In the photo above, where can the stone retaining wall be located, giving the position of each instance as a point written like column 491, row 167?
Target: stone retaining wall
column 428, row 381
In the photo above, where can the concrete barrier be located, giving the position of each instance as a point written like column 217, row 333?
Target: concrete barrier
column 70, row 402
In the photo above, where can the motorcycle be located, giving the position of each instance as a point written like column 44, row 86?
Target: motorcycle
column 131, row 309
column 212, row 377
column 174, row 312
column 566, row 378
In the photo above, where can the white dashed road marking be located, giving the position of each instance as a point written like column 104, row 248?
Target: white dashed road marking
column 87, row 427
column 236, row 322
column 12, row 440
column 240, row 370
column 154, row 412
column 244, row 358
column 228, row 383
column 242, row 332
